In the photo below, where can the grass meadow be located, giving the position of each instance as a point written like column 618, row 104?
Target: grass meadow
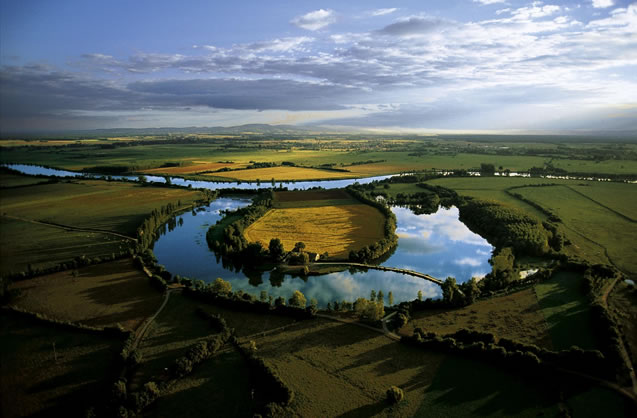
column 567, row 311
column 339, row 369
column 99, row 295
column 516, row 316
column 334, row 225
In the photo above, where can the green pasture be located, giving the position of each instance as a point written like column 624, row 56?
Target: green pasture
column 567, row 311
column 24, row 243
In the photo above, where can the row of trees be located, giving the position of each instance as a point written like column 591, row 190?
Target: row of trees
column 389, row 241
column 513, row 355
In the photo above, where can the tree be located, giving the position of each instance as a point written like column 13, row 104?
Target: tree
column 314, row 303
column 380, row 297
column 276, row 249
column 298, row 299
column 487, row 169
column 372, row 295
column 420, row 295
column 391, row 298
column 168, row 180
column 264, row 296
column 221, row 286
column 142, row 179
column 298, row 247
column 471, row 290
column 450, row 291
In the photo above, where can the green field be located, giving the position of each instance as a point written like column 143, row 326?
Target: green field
column 567, row 311
column 389, row 155
column 174, row 330
column 25, row 243
column 33, row 383
column 33, row 220
column 113, row 206
column 596, row 231
column 517, row 316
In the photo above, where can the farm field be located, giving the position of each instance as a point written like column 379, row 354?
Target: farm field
column 517, row 316
column 190, row 167
column 114, row 206
column 24, row 243
column 33, row 383
column 587, row 222
column 334, row 225
column 247, row 324
column 99, row 295
column 174, row 330
column 282, row 173
column 221, row 383
column 567, row 311
column 338, row 369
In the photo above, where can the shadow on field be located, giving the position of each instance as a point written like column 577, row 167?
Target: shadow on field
column 133, row 296
column 465, row 387
column 365, row 410
column 567, row 311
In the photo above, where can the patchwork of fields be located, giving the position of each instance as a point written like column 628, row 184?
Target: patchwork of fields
column 324, row 221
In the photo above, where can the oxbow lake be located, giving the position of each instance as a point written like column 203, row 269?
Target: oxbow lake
column 437, row 244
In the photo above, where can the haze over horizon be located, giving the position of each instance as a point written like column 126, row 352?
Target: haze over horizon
column 464, row 65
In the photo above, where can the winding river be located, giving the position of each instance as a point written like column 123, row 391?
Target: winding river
column 437, row 244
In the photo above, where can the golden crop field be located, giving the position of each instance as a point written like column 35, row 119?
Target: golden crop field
column 197, row 167
column 337, row 226
column 283, row 173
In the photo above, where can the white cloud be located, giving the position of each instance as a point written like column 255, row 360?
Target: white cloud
column 468, row 261
column 486, row 2
column 602, row 4
column 382, row 12
column 315, row 20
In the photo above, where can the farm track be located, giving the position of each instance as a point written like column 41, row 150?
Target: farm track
column 70, row 228
column 144, row 328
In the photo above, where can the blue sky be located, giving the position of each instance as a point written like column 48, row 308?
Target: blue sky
column 410, row 66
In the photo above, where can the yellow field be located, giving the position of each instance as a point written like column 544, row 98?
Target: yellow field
column 333, row 225
column 197, row 167
column 283, row 173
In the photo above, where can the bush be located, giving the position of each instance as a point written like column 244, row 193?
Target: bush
column 395, row 395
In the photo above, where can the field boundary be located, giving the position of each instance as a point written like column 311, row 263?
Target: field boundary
column 70, row 228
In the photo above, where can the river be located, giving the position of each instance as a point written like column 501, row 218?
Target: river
column 437, row 244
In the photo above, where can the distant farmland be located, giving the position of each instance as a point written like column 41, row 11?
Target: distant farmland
column 324, row 221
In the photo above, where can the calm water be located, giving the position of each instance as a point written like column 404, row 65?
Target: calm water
column 438, row 244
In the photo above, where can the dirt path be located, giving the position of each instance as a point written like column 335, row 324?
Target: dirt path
column 144, row 328
column 70, row 228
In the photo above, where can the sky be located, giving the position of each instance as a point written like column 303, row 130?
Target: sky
column 404, row 66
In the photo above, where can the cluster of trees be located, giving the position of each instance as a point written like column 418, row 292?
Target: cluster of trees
column 372, row 310
column 506, row 226
column 233, row 243
column 455, row 295
column 220, row 293
column 513, row 355
column 389, row 241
